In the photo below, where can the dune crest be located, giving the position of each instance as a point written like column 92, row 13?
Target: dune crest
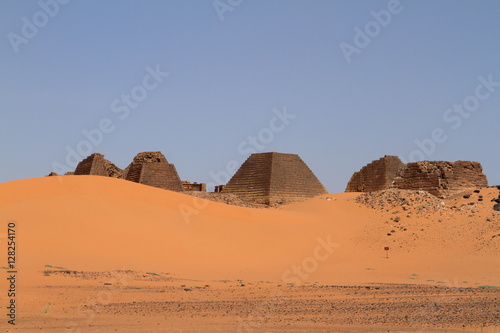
column 100, row 223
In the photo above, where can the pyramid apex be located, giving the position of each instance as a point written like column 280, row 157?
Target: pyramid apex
column 272, row 177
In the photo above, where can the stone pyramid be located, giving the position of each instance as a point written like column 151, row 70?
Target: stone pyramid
column 375, row 176
column 152, row 168
column 270, row 178
column 97, row 165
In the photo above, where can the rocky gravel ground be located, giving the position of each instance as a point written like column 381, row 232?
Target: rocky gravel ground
column 229, row 199
column 395, row 198
column 406, row 306
column 422, row 202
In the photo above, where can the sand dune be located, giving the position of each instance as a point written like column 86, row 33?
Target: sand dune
column 99, row 224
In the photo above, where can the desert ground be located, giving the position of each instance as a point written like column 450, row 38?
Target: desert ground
column 98, row 254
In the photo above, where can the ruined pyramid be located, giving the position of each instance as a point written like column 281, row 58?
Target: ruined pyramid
column 97, row 165
column 152, row 168
column 440, row 178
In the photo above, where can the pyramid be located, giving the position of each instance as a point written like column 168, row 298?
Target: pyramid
column 152, row 168
column 97, row 165
column 440, row 178
column 270, row 178
column 375, row 176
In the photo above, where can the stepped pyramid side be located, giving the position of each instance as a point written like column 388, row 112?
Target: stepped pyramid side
column 153, row 169
column 97, row 165
column 292, row 180
column 270, row 178
column 252, row 180
column 375, row 176
column 133, row 173
column 161, row 175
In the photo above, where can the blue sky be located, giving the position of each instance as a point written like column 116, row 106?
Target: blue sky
column 232, row 67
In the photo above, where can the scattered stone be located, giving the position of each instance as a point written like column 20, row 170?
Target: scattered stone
column 497, row 207
column 228, row 199
column 394, row 199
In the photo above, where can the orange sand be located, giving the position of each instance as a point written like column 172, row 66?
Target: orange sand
column 98, row 223
column 92, row 223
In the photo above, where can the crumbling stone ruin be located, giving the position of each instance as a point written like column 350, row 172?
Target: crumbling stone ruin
column 97, row 165
column 228, row 199
column 377, row 175
column 219, row 188
column 439, row 178
column 274, row 178
column 194, row 187
column 53, row 174
column 152, row 168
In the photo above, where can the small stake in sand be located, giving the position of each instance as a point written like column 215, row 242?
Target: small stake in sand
column 386, row 252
